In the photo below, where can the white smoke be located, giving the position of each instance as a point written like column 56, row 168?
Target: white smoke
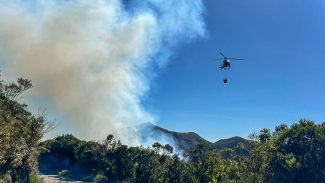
column 93, row 59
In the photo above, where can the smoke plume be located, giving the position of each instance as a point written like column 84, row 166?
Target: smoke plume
column 94, row 60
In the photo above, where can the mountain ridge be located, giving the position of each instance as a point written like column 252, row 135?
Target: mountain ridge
column 187, row 140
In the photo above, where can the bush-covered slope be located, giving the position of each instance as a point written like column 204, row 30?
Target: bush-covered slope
column 188, row 140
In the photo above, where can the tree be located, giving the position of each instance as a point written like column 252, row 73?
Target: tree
column 20, row 132
column 303, row 145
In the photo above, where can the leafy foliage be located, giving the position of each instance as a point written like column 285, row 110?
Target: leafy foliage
column 20, row 133
column 289, row 154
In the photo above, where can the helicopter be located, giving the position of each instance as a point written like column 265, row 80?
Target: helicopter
column 226, row 62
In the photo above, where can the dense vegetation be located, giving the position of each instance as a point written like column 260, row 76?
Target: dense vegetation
column 289, row 154
column 20, row 134
column 293, row 153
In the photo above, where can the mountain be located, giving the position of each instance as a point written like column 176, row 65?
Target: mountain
column 186, row 141
column 231, row 143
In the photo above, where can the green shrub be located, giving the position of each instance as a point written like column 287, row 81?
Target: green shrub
column 63, row 173
column 99, row 178
column 4, row 179
column 35, row 179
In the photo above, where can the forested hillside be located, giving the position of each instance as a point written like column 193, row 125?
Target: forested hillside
column 188, row 140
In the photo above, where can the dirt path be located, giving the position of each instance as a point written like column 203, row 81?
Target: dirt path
column 56, row 179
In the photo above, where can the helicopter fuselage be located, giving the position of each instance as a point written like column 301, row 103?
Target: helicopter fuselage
column 225, row 65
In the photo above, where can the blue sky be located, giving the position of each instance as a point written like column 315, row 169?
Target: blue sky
column 281, row 80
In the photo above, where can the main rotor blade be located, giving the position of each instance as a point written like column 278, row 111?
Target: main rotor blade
column 236, row 59
column 222, row 54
